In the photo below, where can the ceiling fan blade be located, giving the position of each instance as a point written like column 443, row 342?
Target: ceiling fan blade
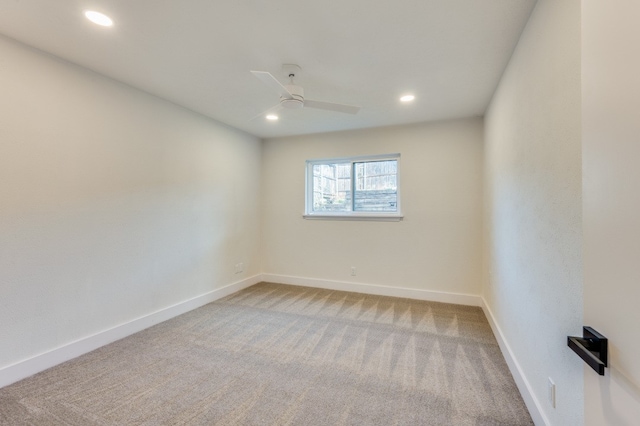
column 349, row 109
column 272, row 82
column 269, row 111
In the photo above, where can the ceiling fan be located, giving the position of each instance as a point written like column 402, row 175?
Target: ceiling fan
column 292, row 96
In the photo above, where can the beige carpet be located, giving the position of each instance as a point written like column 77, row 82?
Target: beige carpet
column 283, row 355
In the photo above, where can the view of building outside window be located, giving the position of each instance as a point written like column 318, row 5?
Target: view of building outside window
column 375, row 186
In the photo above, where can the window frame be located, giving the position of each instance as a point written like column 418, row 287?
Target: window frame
column 351, row 215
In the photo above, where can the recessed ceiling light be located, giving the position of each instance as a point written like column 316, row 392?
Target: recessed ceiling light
column 98, row 18
column 272, row 117
column 407, row 98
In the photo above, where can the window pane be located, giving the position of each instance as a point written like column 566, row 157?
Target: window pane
column 332, row 187
column 376, row 186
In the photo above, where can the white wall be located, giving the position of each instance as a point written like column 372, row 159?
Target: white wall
column 533, row 210
column 611, row 149
column 113, row 203
column 437, row 247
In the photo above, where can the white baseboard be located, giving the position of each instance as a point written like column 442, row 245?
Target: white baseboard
column 38, row 363
column 380, row 290
column 530, row 400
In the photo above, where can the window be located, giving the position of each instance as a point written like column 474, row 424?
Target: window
column 356, row 187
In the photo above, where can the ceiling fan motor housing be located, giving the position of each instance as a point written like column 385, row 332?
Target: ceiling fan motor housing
column 297, row 97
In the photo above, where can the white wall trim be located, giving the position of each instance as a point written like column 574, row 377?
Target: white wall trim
column 525, row 388
column 28, row 367
column 381, row 290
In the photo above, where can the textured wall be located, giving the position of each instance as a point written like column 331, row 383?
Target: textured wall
column 113, row 203
column 533, row 206
column 611, row 127
column 436, row 247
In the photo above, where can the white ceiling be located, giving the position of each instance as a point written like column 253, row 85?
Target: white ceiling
column 198, row 53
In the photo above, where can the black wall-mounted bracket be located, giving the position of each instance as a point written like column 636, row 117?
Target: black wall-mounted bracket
column 592, row 347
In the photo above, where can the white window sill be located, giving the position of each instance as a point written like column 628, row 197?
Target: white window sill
column 365, row 217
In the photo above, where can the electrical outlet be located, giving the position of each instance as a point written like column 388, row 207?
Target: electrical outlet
column 552, row 393
column 239, row 268
column 353, row 271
